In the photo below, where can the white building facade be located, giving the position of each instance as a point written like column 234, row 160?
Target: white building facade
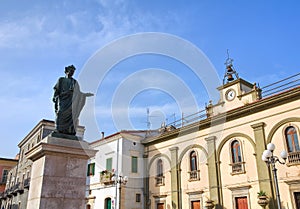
column 119, row 155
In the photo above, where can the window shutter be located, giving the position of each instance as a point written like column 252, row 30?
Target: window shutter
column 109, row 164
column 91, row 169
column 134, row 164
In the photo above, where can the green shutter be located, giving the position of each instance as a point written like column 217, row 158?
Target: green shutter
column 109, row 164
column 91, row 169
column 134, row 164
column 109, row 203
column 88, row 170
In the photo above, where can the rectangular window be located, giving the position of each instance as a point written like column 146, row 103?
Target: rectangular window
column 91, row 169
column 134, row 164
column 109, row 164
column 4, row 176
column 138, row 197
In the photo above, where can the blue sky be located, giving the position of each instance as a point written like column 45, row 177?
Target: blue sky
column 39, row 38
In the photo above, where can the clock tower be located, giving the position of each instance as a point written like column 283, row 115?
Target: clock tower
column 234, row 93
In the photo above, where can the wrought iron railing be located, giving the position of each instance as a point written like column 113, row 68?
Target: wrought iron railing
column 294, row 157
column 160, row 180
column 282, row 85
column 194, row 175
column 8, row 192
column 26, row 183
column 15, row 188
column 188, row 119
column 237, row 167
column 106, row 177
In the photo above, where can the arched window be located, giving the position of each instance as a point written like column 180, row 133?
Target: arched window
column 194, row 172
column 236, row 152
column 159, row 167
column 193, row 161
column 237, row 163
column 159, row 173
column 292, row 139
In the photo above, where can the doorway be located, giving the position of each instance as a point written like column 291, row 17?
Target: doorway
column 196, row 204
column 297, row 199
column 241, row 203
column 160, row 206
column 107, row 203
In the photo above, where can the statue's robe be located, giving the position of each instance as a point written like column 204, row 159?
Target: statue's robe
column 69, row 101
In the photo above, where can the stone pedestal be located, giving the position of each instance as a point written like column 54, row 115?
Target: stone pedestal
column 58, row 174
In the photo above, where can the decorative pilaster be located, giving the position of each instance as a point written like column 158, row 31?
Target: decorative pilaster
column 263, row 173
column 213, row 170
column 174, row 178
column 146, row 182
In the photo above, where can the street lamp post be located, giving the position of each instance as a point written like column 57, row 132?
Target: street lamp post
column 119, row 180
column 271, row 159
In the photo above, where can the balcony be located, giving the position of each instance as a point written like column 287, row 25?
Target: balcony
column 294, row 158
column 105, row 177
column 8, row 193
column 14, row 189
column 160, row 180
column 18, row 188
column 237, row 168
column 194, row 175
column 26, row 183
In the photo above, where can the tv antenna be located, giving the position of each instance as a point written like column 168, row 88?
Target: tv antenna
column 148, row 118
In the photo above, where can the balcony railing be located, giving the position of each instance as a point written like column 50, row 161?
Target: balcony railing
column 237, row 168
column 194, row 175
column 19, row 188
column 15, row 188
column 26, row 183
column 8, row 192
column 282, row 85
column 160, row 180
column 294, row 158
column 105, row 177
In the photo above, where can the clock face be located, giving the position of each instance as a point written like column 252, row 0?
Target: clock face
column 230, row 94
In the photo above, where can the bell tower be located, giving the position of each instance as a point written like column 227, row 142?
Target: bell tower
column 230, row 72
column 234, row 93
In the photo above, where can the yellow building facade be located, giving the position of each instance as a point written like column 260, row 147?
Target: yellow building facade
column 219, row 156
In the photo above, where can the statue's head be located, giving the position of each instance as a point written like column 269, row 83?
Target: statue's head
column 70, row 68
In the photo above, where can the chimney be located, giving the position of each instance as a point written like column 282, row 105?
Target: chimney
column 102, row 135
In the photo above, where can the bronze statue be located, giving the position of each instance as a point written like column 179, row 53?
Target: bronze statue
column 68, row 103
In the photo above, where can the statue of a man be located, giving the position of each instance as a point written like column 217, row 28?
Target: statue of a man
column 68, row 102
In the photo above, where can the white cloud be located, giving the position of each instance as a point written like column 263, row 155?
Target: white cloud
column 81, row 27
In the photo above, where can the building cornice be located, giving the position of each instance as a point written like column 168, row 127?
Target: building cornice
column 239, row 80
column 43, row 122
column 8, row 159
